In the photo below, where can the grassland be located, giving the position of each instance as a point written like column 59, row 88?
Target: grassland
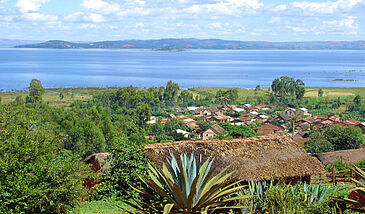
column 52, row 96
column 311, row 92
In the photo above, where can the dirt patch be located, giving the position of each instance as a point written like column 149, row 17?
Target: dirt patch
column 339, row 94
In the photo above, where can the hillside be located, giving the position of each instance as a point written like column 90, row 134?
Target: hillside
column 200, row 44
column 8, row 43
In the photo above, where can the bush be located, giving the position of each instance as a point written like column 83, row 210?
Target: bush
column 35, row 175
column 128, row 164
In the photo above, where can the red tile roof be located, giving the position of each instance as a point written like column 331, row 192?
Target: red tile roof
column 269, row 126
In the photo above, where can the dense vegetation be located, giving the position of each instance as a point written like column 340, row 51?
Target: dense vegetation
column 42, row 144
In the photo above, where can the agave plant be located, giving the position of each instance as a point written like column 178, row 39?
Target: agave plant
column 188, row 186
column 315, row 191
column 359, row 189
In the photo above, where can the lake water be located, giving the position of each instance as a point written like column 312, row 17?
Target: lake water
column 192, row 68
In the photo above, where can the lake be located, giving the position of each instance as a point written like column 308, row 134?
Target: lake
column 192, row 68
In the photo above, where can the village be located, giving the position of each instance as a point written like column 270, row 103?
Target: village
column 264, row 120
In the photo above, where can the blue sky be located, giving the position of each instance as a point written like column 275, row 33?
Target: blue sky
column 252, row 20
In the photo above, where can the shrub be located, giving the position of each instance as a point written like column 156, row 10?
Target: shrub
column 35, row 175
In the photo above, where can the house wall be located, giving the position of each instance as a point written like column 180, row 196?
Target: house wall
column 265, row 131
column 209, row 134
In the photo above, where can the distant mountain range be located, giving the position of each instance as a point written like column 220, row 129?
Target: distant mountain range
column 9, row 43
column 198, row 44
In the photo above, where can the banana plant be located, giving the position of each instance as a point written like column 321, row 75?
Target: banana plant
column 187, row 186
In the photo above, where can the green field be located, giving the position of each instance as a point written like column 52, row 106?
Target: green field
column 247, row 94
column 52, row 97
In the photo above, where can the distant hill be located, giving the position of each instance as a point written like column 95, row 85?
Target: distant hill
column 199, row 44
column 9, row 43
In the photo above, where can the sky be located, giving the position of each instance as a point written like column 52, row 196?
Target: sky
column 248, row 20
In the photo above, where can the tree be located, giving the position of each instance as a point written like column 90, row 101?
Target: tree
column 318, row 144
column 258, row 88
column 128, row 164
column 357, row 101
column 344, row 137
column 320, row 92
column 36, row 175
column 238, row 131
column 286, row 86
column 61, row 96
column 35, row 91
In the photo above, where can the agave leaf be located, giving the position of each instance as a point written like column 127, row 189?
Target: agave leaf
column 168, row 208
column 192, row 194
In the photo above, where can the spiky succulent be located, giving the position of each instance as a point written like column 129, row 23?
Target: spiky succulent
column 188, row 186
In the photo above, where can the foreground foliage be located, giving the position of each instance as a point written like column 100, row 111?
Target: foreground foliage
column 36, row 176
column 187, row 187
column 287, row 198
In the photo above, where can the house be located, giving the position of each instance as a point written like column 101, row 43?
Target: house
column 152, row 120
column 183, row 132
column 221, row 119
column 247, row 105
column 283, row 118
column 98, row 163
column 352, row 122
column 257, row 158
column 171, row 116
column 239, row 110
column 303, row 112
column 347, row 156
column 253, row 113
column 268, row 129
column 290, row 112
column 213, row 132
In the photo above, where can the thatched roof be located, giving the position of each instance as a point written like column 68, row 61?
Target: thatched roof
column 257, row 158
column 347, row 156
column 99, row 161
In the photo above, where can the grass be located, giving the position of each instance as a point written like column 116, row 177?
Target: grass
column 52, row 97
column 101, row 207
column 335, row 92
column 244, row 95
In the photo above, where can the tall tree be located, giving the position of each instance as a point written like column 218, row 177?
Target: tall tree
column 35, row 91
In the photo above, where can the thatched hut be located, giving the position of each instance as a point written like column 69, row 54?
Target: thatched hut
column 256, row 158
column 347, row 156
column 98, row 163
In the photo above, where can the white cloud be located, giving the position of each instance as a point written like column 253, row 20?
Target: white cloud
column 30, row 5
column 280, row 8
column 100, row 6
column 228, row 7
column 346, row 22
column 327, row 7
column 39, row 17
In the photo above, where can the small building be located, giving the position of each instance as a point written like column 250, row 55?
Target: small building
column 213, row 132
column 257, row 158
column 268, row 129
column 183, row 132
column 239, row 110
column 98, row 163
column 290, row 112
column 221, row 119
